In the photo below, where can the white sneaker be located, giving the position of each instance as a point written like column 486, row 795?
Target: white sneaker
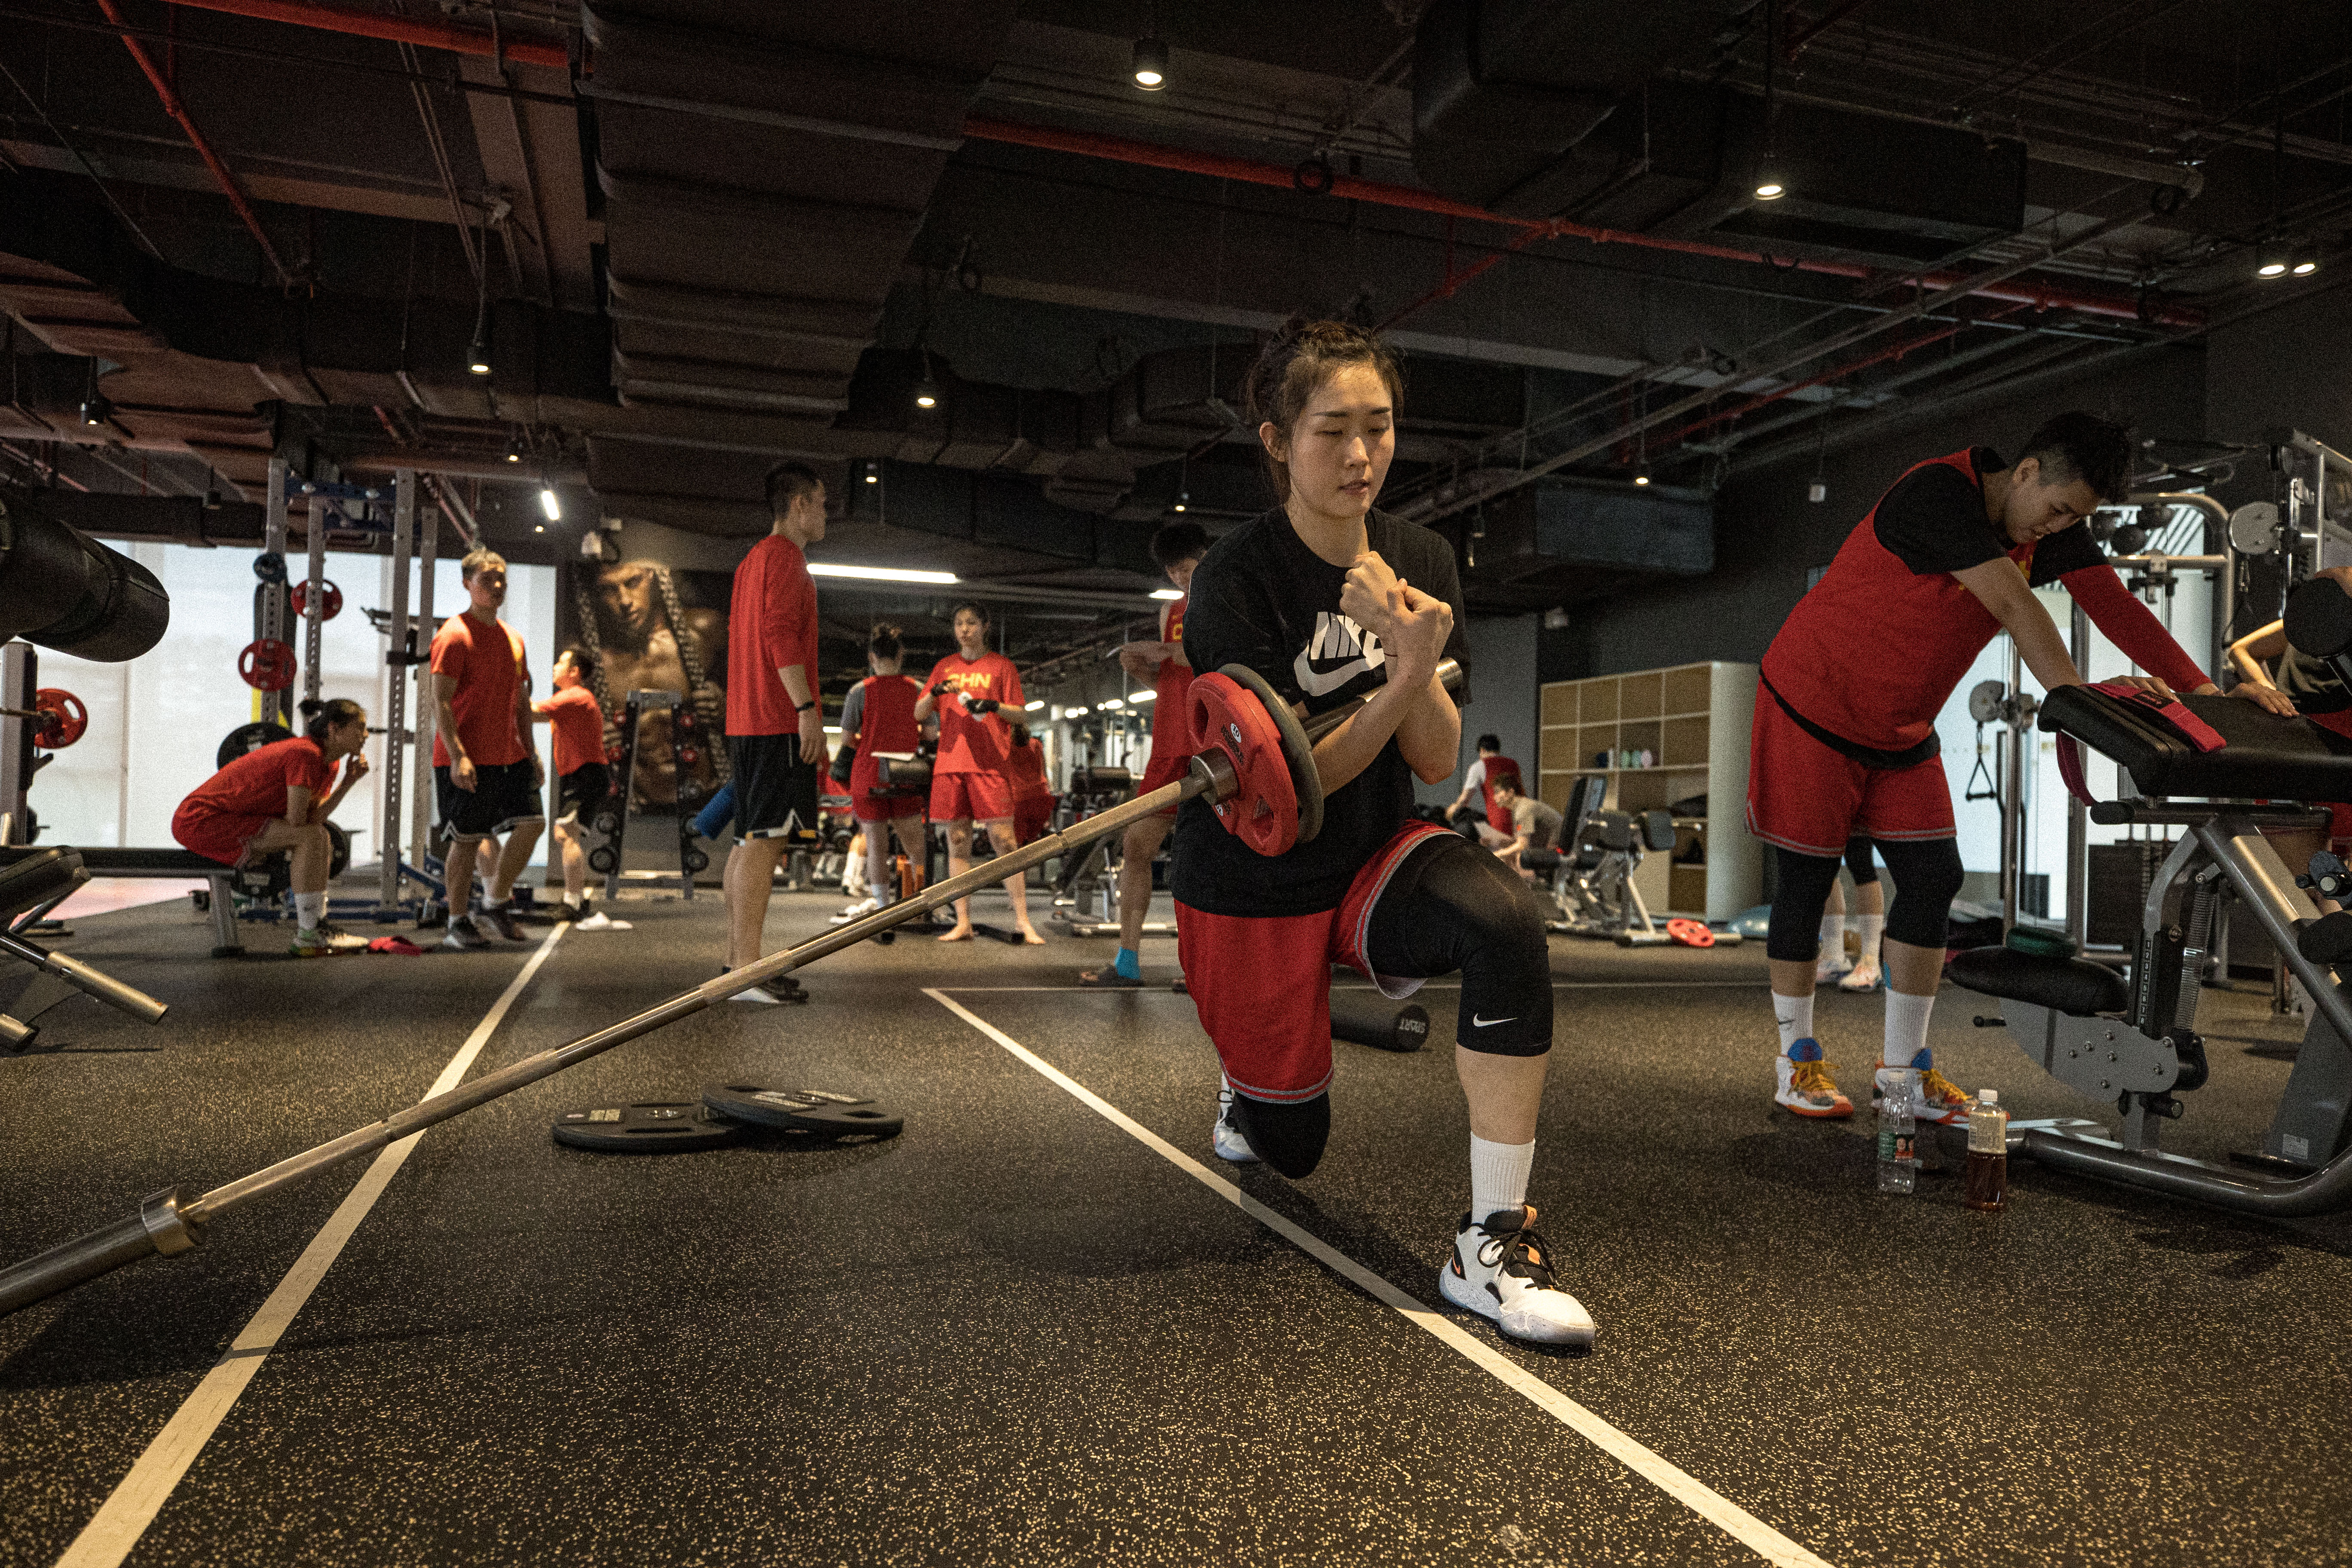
column 600, row 921
column 853, row 912
column 1829, row 965
column 1229, row 1144
column 1865, row 976
column 1502, row 1269
column 1934, row 1097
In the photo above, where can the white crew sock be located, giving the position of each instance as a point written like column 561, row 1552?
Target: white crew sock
column 1795, row 1016
column 308, row 909
column 1872, row 928
column 878, row 866
column 1832, row 938
column 1907, row 1027
column 1499, row 1175
column 573, row 900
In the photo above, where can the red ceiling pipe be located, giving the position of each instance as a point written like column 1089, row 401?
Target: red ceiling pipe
column 177, row 110
column 393, row 29
column 1118, row 148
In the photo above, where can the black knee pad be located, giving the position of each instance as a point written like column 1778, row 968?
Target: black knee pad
column 1800, row 892
column 1927, row 878
column 1290, row 1138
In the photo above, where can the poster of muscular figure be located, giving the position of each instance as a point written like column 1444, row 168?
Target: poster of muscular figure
column 655, row 629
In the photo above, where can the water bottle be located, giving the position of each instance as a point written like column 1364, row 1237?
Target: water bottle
column 1898, row 1135
column 1987, row 1181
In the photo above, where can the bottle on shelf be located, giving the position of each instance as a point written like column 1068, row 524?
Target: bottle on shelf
column 1987, row 1179
column 1898, row 1135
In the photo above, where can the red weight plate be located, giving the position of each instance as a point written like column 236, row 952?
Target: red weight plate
column 267, row 665
column 1690, row 933
column 332, row 603
column 1263, row 810
column 65, row 719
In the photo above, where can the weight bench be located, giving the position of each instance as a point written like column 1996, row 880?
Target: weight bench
column 2134, row 1045
column 179, row 865
column 34, row 880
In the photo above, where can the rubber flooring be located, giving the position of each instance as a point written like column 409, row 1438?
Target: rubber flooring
column 1022, row 1332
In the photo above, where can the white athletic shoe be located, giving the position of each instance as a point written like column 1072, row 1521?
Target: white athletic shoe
column 1831, row 964
column 1502, row 1269
column 865, row 908
column 1229, row 1144
column 600, row 921
column 1865, row 976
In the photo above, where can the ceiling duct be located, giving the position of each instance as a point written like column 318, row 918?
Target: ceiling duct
column 1565, row 541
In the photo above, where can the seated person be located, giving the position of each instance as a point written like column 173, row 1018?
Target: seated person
column 1534, row 825
column 1489, row 822
column 270, row 800
column 2316, row 693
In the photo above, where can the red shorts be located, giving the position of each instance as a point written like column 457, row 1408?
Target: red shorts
column 1804, row 796
column 970, row 797
column 1030, row 820
column 1161, row 771
column 1262, row 984
column 216, row 836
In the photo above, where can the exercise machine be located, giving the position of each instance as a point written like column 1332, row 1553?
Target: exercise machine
column 2214, row 768
column 612, row 820
column 1256, row 768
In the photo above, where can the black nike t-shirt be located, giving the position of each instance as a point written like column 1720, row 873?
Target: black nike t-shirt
column 1262, row 598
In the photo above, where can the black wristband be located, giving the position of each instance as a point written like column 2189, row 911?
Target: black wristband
column 804, row 706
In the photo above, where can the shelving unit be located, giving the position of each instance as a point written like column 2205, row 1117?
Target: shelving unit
column 1694, row 719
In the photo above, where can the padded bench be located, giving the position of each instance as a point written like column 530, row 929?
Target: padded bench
column 156, row 865
column 2263, row 756
column 2071, row 985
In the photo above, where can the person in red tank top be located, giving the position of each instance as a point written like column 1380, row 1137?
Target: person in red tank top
column 1178, row 548
column 968, row 689
column 878, row 717
column 576, row 723
column 1845, row 745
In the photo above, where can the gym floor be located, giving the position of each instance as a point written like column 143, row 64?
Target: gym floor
column 1045, row 1324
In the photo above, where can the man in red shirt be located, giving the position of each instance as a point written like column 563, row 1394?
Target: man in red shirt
column 775, row 725
column 1178, row 548
column 576, row 725
column 1491, row 769
column 1846, row 745
column 878, row 720
column 267, row 801
column 486, row 776
column 968, row 780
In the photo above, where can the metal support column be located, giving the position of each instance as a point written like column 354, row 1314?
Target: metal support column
column 2077, row 817
column 2012, row 799
column 420, row 837
column 19, row 678
column 395, row 685
column 314, row 600
column 275, row 705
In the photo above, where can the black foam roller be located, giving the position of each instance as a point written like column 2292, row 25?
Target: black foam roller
column 1369, row 1018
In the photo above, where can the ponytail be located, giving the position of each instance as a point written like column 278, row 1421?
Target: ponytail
column 319, row 717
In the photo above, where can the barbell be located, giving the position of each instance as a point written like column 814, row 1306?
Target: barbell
column 173, row 1221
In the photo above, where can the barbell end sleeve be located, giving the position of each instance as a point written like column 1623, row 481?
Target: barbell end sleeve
column 157, row 1228
column 108, row 989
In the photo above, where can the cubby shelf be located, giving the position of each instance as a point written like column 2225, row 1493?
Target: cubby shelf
column 1694, row 718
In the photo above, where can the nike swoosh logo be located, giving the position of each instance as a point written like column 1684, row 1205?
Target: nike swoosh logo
column 1478, row 1022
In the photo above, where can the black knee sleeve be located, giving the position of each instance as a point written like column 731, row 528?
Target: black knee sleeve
column 1448, row 909
column 1859, row 863
column 1927, row 878
column 1290, row 1138
column 1800, row 892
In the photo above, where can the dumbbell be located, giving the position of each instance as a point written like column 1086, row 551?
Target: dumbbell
column 1369, row 1018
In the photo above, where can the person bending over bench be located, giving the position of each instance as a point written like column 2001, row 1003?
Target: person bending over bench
column 271, row 801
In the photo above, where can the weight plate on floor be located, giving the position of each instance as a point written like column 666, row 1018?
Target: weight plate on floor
column 657, row 1126
column 803, row 1110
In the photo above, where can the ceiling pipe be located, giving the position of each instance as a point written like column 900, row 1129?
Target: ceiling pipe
column 1117, row 149
column 178, row 111
column 392, row 29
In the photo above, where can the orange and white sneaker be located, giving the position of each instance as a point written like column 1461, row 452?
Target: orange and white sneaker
column 1805, row 1086
column 1938, row 1097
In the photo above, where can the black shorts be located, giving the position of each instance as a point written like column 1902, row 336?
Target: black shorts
column 775, row 792
column 579, row 792
column 503, row 798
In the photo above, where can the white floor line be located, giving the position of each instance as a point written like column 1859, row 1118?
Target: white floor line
column 109, row 1536
column 1688, row 1490
column 1148, row 986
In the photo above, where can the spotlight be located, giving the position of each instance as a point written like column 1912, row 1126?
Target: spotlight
column 96, row 409
column 1817, row 491
column 514, row 447
column 2307, row 262
column 1183, row 499
column 2269, row 262
column 477, row 357
column 927, row 393
column 1642, row 474
column 538, row 528
column 1771, row 180
column 549, row 505
column 1151, row 64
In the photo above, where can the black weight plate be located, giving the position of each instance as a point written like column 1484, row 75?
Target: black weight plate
column 803, row 1110
column 654, row 1127
column 249, row 738
column 602, row 861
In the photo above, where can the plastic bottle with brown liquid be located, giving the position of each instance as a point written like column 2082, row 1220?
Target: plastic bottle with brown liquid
column 1986, row 1180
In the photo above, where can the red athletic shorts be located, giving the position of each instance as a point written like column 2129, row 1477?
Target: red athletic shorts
column 1163, row 770
column 1804, row 796
column 214, row 835
column 1262, row 984
column 1030, row 821
column 865, row 777
column 970, row 797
